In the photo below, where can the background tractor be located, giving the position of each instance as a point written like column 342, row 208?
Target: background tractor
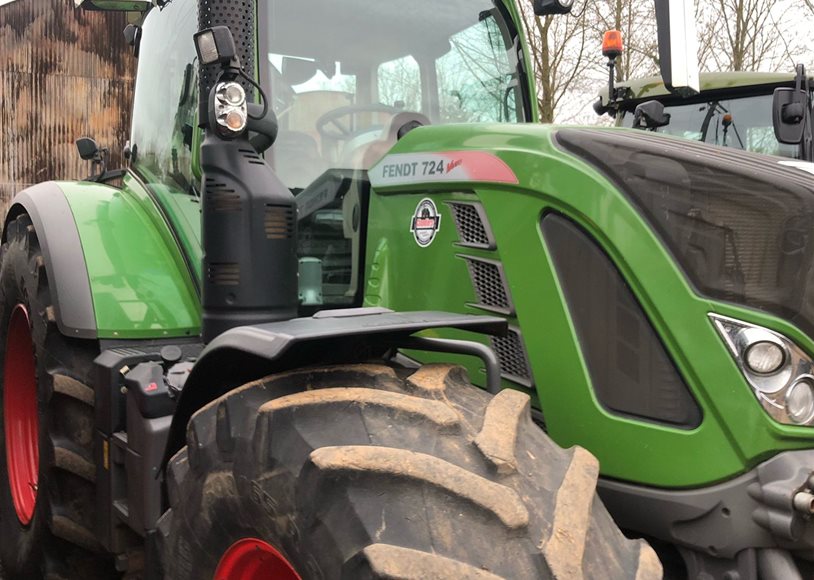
column 190, row 388
column 740, row 110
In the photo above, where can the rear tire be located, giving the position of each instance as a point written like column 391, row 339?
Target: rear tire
column 368, row 472
column 58, row 540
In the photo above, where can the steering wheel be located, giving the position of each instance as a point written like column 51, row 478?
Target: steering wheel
column 329, row 125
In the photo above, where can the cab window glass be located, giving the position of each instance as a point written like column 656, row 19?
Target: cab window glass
column 400, row 83
column 739, row 123
column 165, row 103
column 477, row 78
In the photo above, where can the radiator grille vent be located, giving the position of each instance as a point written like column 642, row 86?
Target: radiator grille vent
column 472, row 225
column 223, row 274
column 490, row 285
column 279, row 222
column 511, row 353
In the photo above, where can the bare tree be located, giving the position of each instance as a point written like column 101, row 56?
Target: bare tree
column 747, row 35
column 636, row 20
column 558, row 46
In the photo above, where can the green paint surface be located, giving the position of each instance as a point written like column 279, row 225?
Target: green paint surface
column 653, row 87
column 140, row 283
column 735, row 434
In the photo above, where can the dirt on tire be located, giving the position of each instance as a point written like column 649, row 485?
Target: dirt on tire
column 59, row 542
column 368, row 471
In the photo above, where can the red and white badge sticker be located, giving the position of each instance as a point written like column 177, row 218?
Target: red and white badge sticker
column 414, row 168
column 425, row 223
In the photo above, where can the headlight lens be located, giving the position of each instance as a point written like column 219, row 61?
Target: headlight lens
column 231, row 112
column 764, row 357
column 780, row 373
column 800, row 401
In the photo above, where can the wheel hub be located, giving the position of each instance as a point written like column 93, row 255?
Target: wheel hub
column 20, row 415
column 253, row 559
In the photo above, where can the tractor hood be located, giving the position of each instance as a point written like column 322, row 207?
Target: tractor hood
column 738, row 223
column 639, row 236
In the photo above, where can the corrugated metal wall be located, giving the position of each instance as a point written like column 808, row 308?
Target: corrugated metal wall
column 64, row 74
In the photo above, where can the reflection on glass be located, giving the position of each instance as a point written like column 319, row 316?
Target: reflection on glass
column 739, row 123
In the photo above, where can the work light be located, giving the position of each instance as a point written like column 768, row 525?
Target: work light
column 779, row 372
column 215, row 45
column 231, row 112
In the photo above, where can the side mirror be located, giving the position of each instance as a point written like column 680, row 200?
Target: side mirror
column 549, row 7
column 115, row 5
column 298, row 70
column 650, row 115
column 132, row 36
column 788, row 115
column 88, row 149
column 678, row 46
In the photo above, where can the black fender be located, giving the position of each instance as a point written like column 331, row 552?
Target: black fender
column 58, row 236
column 248, row 353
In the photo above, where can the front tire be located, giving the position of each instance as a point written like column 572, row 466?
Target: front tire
column 369, row 472
column 46, row 438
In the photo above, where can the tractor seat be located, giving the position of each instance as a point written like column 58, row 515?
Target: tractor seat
column 398, row 126
column 296, row 159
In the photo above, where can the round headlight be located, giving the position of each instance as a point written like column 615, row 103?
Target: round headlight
column 764, row 357
column 234, row 94
column 235, row 120
column 800, row 402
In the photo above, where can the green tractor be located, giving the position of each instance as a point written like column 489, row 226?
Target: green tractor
column 233, row 359
column 741, row 110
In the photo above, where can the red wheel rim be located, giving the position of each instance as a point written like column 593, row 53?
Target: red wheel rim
column 253, row 559
column 20, row 416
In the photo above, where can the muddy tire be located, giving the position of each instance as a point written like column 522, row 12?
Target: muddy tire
column 47, row 533
column 369, row 472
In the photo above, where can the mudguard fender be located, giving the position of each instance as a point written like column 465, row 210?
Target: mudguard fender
column 46, row 205
column 248, row 353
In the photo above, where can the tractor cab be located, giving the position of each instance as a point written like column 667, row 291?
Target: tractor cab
column 733, row 109
column 342, row 104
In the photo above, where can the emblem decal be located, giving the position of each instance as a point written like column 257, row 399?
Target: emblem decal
column 426, row 222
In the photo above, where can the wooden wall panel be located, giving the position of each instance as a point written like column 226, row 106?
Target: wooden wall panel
column 64, row 74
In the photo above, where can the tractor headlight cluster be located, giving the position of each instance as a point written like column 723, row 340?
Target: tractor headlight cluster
column 231, row 111
column 780, row 373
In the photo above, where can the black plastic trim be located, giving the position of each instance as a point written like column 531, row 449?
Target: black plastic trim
column 631, row 371
column 509, row 309
column 753, row 510
column 491, row 245
column 46, row 205
column 245, row 353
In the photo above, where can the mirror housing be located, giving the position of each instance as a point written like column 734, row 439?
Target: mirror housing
column 298, row 70
column 115, row 5
column 789, row 115
column 650, row 115
column 550, row 7
column 88, row 149
column 678, row 46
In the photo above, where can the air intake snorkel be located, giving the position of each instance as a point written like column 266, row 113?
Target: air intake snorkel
column 248, row 215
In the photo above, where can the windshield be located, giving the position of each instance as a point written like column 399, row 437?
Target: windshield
column 345, row 77
column 739, row 123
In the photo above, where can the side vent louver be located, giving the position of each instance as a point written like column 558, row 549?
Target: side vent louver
column 222, row 197
column 252, row 156
column 224, row 274
column 514, row 362
column 279, row 222
column 472, row 225
column 490, row 285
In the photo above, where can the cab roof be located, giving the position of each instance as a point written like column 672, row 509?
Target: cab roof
column 653, row 86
